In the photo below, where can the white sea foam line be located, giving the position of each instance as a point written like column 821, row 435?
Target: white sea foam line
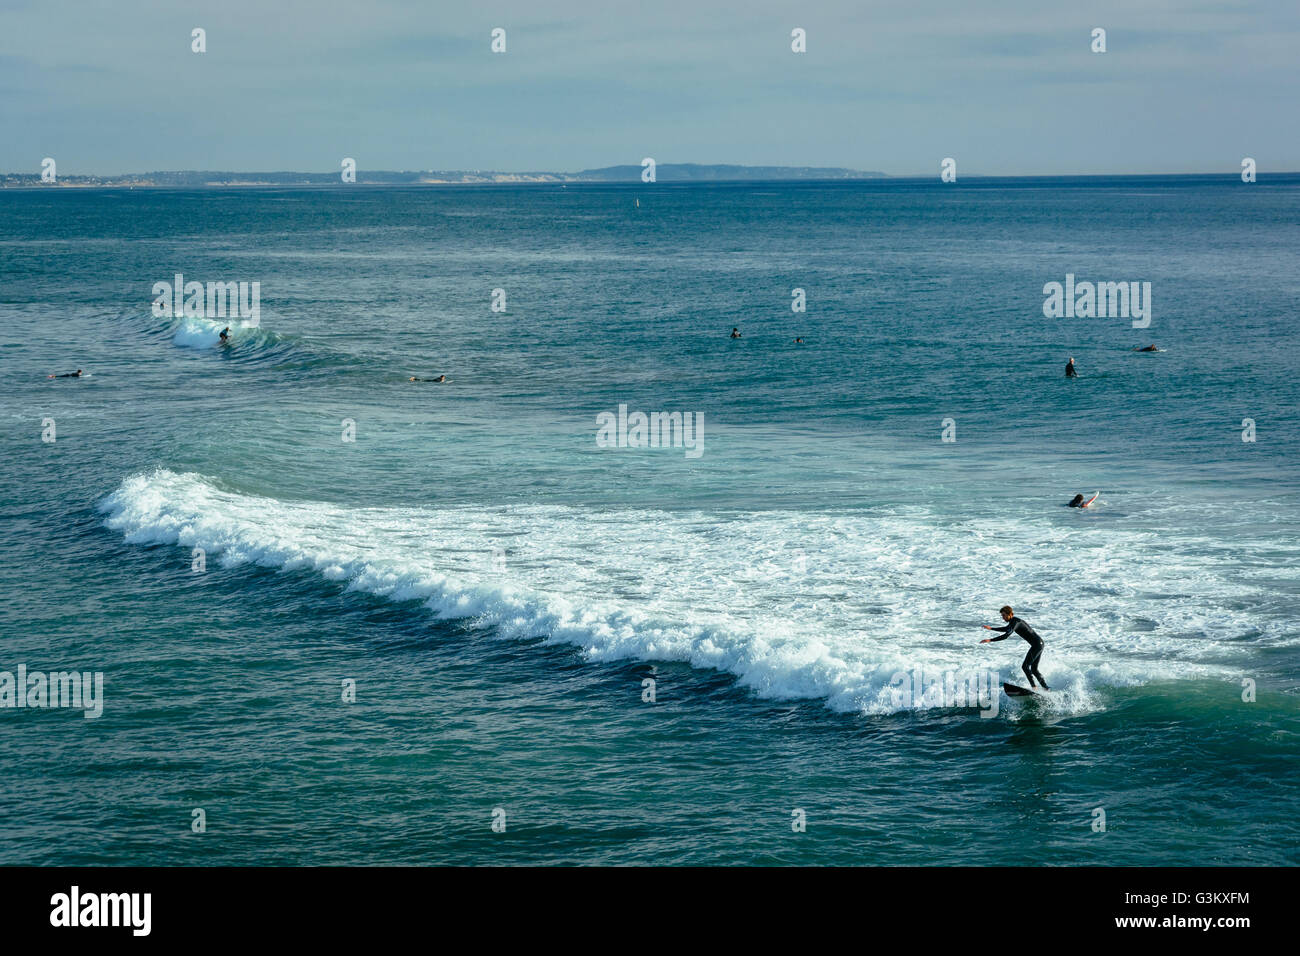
column 794, row 604
column 197, row 332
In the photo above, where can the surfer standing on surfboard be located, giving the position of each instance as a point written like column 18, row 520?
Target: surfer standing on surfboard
column 1016, row 626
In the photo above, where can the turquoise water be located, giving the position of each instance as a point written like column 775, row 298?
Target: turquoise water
column 499, row 586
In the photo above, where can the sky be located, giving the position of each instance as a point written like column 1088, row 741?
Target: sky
column 1005, row 87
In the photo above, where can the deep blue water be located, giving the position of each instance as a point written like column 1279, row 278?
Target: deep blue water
column 499, row 586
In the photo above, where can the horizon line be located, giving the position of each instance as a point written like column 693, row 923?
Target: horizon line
column 33, row 179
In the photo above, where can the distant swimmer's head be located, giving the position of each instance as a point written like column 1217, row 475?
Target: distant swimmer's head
column 1006, row 612
column 1076, row 501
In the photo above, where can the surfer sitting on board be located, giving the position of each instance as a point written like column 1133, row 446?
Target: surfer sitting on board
column 1016, row 626
column 1069, row 369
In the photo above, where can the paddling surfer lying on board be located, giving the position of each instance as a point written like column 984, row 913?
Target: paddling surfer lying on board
column 1016, row 626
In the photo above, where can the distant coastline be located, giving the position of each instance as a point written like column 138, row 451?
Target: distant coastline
column 665, row 172
column 674, row 173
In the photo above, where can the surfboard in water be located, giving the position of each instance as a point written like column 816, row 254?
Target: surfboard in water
column 1014, row 691
column 1091, row 500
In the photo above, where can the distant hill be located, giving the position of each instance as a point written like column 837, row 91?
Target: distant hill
column 696, row 172
column 664, row 172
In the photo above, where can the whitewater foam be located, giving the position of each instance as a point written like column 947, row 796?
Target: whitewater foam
column 196, row 332
column 793, row 604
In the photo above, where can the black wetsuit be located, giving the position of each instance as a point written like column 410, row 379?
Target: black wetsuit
column 68, row 375
column 1030, row 666
column 1069, row 370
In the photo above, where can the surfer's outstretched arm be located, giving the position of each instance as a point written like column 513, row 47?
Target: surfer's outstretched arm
column 1003, row 633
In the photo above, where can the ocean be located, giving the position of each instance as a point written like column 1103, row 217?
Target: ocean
column 342, row 617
